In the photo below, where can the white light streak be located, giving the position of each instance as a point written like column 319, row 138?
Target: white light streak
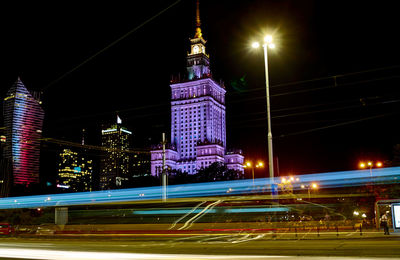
column 80, row 255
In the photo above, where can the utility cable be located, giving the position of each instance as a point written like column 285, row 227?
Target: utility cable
column 335, row 125
column 334, row 77
column 110, row 45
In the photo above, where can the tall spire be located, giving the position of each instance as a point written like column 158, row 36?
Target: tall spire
column 198, row 33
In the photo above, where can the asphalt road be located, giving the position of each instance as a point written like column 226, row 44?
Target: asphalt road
column 201, row 246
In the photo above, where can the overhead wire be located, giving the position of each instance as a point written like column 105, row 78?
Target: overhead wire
column 336, row 125
column 254, row 98
column 334, row 77
column 109, row 46
column 262, row 97
column 91, row 147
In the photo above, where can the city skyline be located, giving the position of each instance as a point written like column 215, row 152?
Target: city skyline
column 137, row 70
column 188, row 129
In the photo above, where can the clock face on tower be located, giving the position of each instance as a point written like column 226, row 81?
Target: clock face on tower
column 196, row 49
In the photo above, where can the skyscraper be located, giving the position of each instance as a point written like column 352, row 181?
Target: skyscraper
column 114, row 167
column 5, row 168
column 74, row 171
column 23, row 120
column 198, row 129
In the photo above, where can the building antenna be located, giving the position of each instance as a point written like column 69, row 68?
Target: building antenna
column 198, row 33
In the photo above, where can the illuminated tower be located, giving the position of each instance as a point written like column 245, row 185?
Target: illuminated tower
column 23, row 119
column 198, row 129
column 114, row 172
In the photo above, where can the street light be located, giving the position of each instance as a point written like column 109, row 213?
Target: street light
column 251, row 165
column 268, row 44
column 370, row 165
column 286, row 184
column 309, row 187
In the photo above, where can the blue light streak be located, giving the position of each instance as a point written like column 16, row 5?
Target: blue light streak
column 219, row 210
column 223, row 188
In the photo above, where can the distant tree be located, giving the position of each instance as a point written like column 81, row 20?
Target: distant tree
column 144, row 181
column 217, row 172
column 396, row 155
column 180, row 177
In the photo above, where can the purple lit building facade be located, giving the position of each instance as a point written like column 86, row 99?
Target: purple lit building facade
column 198, row 128
column 23, row 120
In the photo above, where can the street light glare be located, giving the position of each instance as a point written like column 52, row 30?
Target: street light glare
column 255, row 45
column 362, row 165
column 378, row 164
column 268, row 39
column 271, row 45
column 314, row 185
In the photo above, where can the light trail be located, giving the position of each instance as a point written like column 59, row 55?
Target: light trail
column 187, row 214
column 198, row 215
column 21, row 253
column 196, row 190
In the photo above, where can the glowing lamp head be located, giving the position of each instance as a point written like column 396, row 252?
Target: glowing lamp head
column 379, row 164
column 268, row 39
column 283, row 180
column 248, row 164
column 255, row 45
column 369, row 163
column 314, row 186
column 362, row 165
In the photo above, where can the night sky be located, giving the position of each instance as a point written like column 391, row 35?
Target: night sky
column 334, row 75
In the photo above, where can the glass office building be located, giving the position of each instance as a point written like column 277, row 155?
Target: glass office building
column 23, row 121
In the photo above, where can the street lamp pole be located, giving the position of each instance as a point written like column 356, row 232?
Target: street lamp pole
column 268, row 44
column 252, row 173
column 270, row 152
column 253, row 165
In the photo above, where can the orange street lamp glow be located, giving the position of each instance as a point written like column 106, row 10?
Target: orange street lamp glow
column 369, row 163
column 314, row 186
column 379, row 164
column 362, row 165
